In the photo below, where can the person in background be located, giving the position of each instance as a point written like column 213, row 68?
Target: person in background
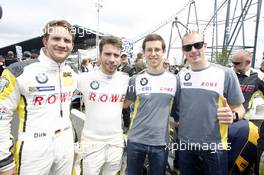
column 84, row 67
column 34, row 55
column 166, row 64
column 127, row 68
column 2, row 64
column 10, row 59
column 139, row 63
column 40, row 92
column 96, row 65
column 250, row 80
column 26, row 56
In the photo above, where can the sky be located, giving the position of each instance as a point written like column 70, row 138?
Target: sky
column 24, row 19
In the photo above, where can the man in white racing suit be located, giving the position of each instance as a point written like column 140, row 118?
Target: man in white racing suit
column 103, row 92
column 40, row 92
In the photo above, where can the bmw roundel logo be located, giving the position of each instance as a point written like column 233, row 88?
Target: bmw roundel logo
column 144, row 81
column 187, row 77
column 42, row 78
column 94, row 85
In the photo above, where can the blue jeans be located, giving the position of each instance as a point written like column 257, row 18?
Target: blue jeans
column 203, row 162
column 136, row 155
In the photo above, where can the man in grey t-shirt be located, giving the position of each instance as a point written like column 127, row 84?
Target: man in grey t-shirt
column 152, row 91
column 209, row 95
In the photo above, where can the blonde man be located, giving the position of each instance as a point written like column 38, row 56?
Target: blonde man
column 40, row 91
column 208, row 95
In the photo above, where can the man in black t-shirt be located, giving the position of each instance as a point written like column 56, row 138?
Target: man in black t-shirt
column 249, row 79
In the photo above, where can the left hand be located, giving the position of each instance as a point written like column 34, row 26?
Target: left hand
column 225, row 114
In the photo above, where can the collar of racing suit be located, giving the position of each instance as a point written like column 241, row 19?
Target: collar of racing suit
column 49, row 63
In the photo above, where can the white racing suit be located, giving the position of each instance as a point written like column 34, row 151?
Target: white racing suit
column 102, row 139
column 40, row 92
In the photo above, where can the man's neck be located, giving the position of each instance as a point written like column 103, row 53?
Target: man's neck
column 200, row 65
column 155, row 70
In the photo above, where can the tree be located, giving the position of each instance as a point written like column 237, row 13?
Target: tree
column 222, row 58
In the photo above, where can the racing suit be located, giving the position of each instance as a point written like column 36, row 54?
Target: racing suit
column 40, row 92
column 102, row 139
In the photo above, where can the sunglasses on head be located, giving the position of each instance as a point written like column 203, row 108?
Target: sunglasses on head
column 188, row 47
column 235, row 63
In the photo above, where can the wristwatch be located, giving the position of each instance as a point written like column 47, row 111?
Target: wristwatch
column 235, row 116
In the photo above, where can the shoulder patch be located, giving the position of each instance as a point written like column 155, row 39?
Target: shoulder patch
column 18, row 68
column 3, row 83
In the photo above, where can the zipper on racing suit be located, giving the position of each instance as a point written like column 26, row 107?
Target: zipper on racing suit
column 61, row 111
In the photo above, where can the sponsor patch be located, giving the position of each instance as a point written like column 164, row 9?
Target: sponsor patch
column 3, row 111
column 67, row 74
column 100, row 97
column 144, row 81
column 42, row 78
column 187, row 84
column 3, row 83
column 94, row 85
column 39, row 100
column 41, row 88
column 187, row 77
column 67, row 81
column 146, row 88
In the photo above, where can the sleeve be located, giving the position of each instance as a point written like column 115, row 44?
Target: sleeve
column 9, row 98
column 232, row 90
column 260, row 85
column 131, row 90
column 175, row 112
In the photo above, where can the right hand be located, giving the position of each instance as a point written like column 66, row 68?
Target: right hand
column 9, row 172
column 224, row 113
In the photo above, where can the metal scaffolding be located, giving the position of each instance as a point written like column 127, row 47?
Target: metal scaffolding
column 236, row 14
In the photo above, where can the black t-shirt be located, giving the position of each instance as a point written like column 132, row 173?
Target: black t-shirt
column 249, row 85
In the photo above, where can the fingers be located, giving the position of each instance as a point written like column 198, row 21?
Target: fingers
column 225, row 119
column 225, row 104
column 224, row 113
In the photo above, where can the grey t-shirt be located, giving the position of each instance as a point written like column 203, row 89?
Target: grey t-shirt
column 199, row 97
column 153, row 96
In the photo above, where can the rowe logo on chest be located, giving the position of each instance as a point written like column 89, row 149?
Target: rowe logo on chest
column 209, row 84
column 101, row 97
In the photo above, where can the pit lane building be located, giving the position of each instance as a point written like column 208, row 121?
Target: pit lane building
column 85, row 39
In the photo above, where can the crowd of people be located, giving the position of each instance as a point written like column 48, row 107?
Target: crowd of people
column 209, row 104
column 10, row 59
